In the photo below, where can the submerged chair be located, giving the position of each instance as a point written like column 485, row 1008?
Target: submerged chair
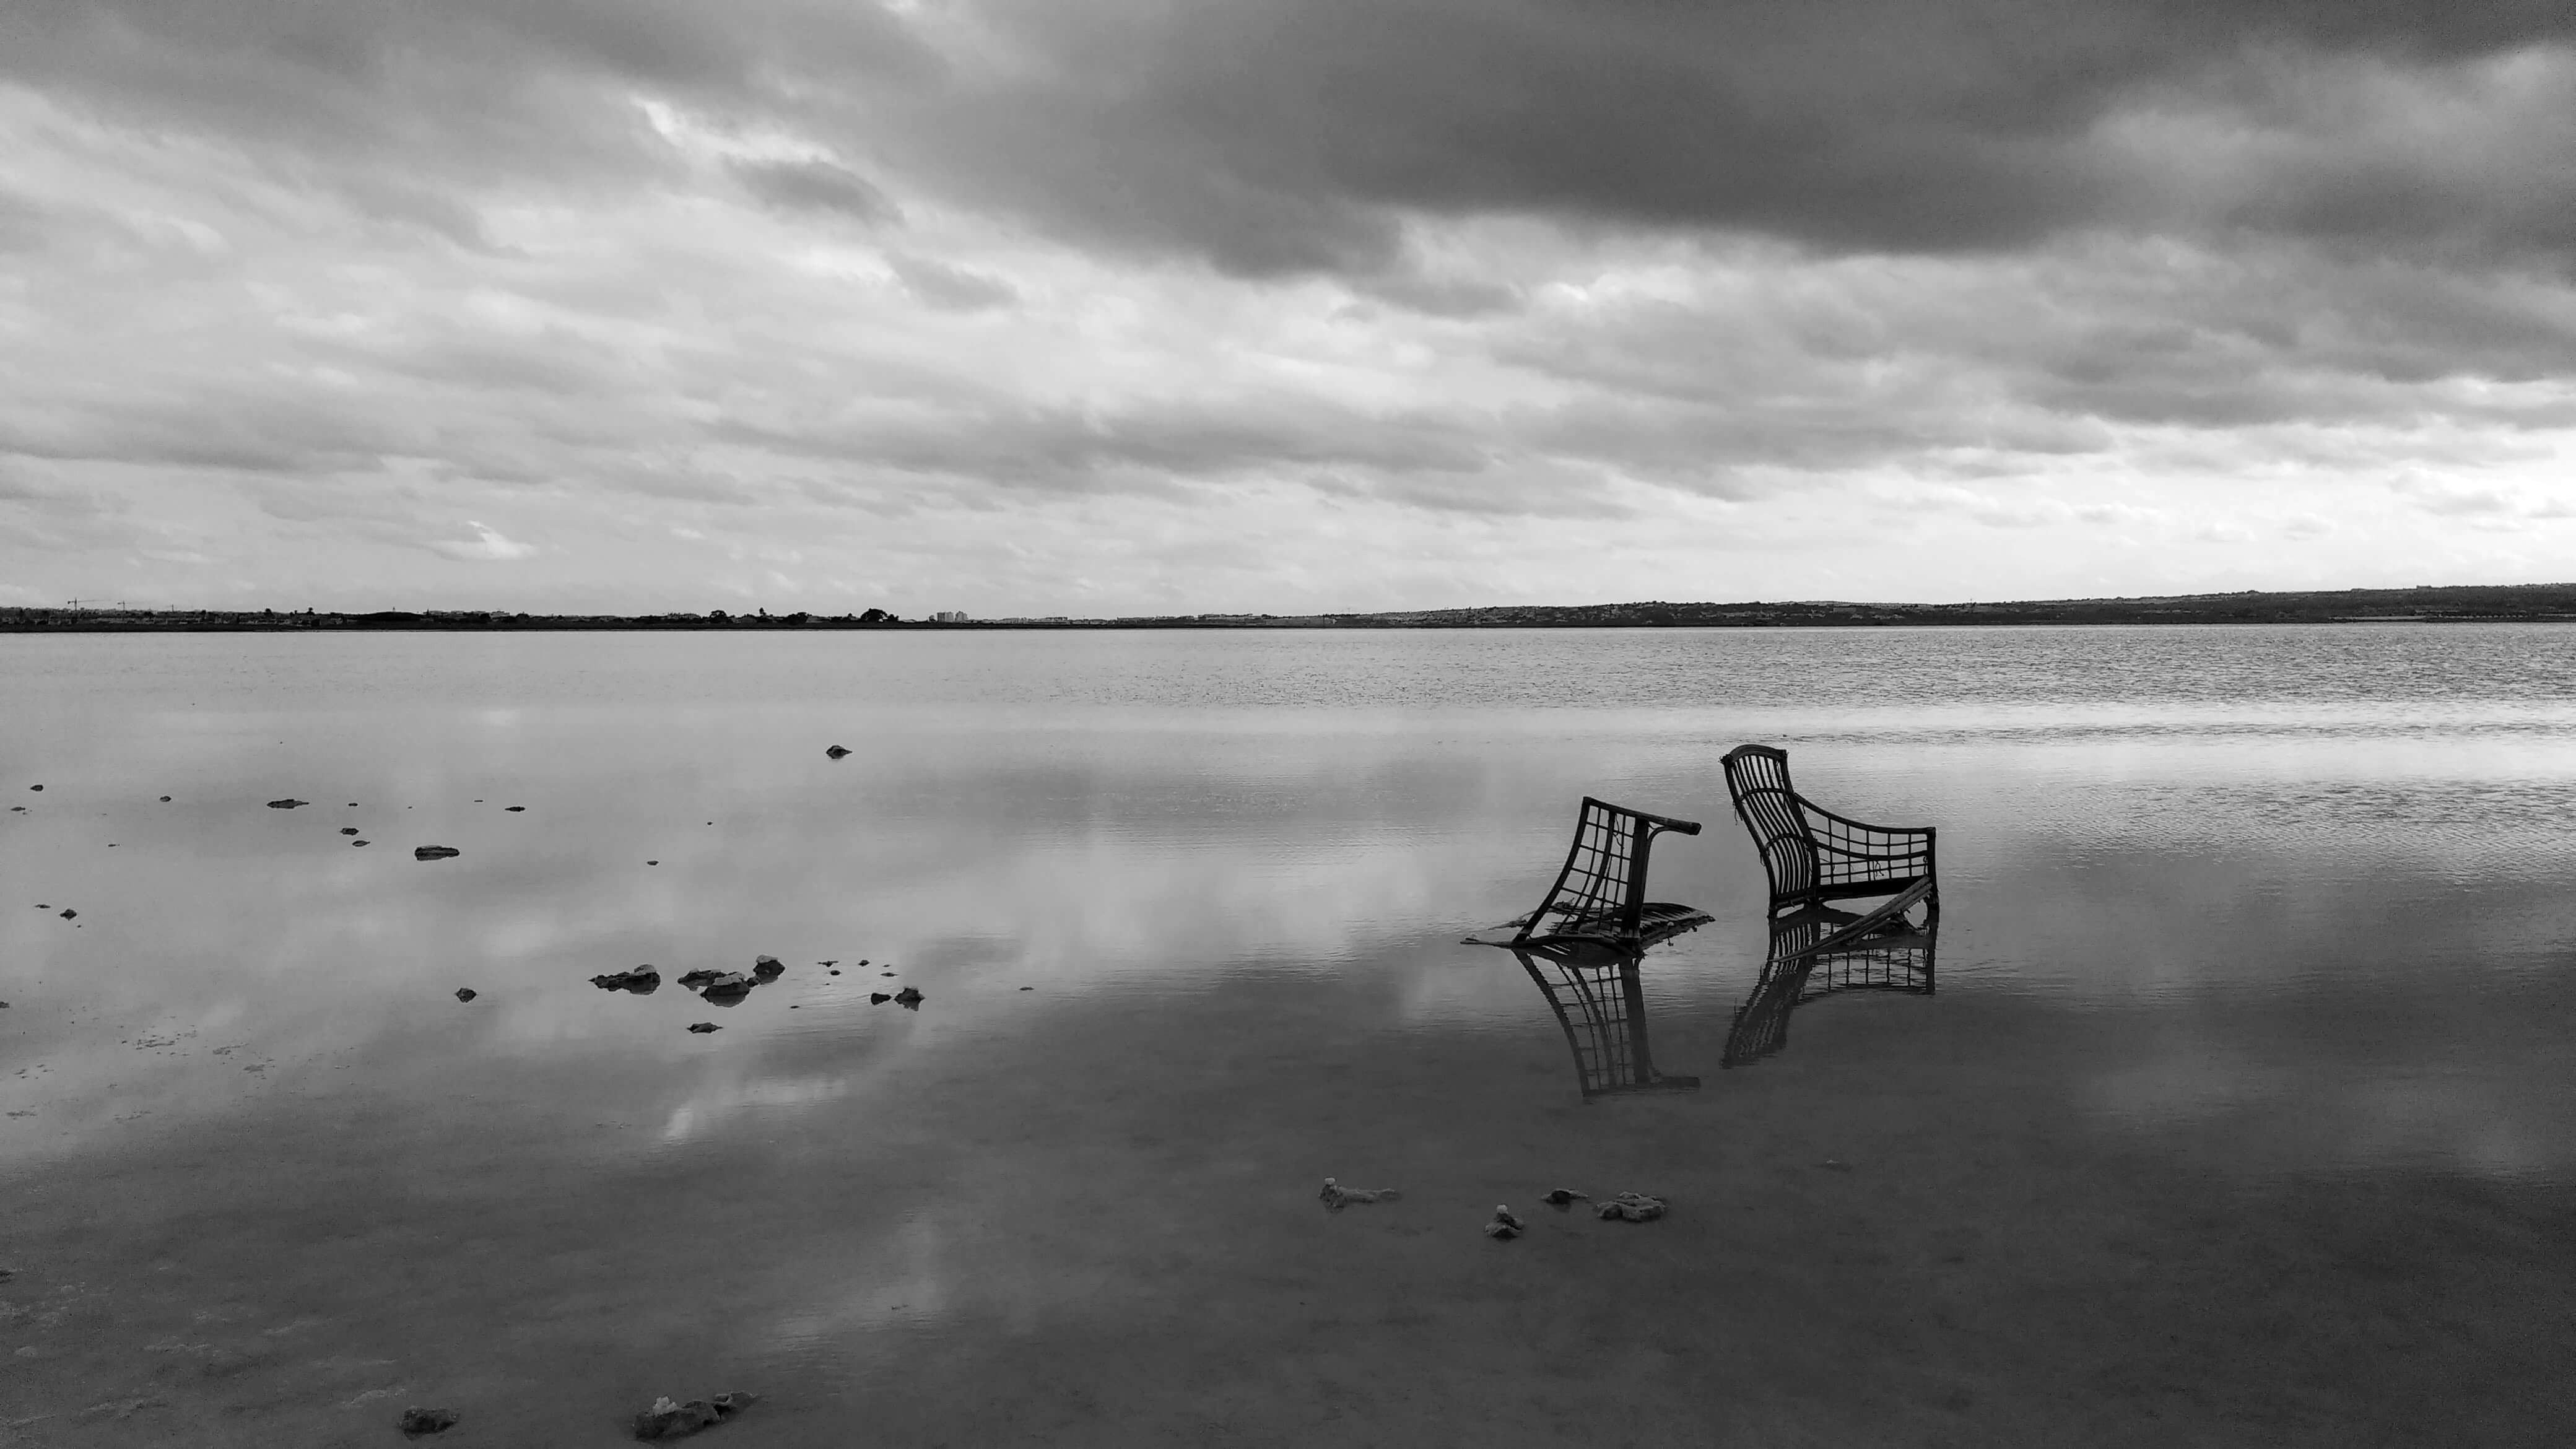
column 1600, row 1000
column 1814, row 855
column 1812, row 956
column 1599, row 898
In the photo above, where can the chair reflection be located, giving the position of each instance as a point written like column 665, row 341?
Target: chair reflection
column 1823, row 952
column 1600, row 1000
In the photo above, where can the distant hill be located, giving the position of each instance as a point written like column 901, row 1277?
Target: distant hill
column 2452, row 604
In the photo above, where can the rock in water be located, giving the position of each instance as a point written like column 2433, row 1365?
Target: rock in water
column 643, row 981
column 1504, row 1224
column 434, row 852
column 465, row 993
column 907, row 997
column 704, row 1026
column 876, row 998
column 514, row 809
column 348, row 830
column 426, row 1421
column 1561, row 1197
column 1335, row 1195
column 667, row 1420
column 835, row 752
column 767, row 968
column 1635, row 1207
column 68, row 913
column 165, row 799
column 700, row 977
column 286, row 804
column 731, row 986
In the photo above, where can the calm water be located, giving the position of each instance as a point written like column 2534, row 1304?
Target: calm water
column 2285, row 904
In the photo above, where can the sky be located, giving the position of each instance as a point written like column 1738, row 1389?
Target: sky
column 1100, row 307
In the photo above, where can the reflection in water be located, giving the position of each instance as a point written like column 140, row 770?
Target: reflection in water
column 1599, row 999
column 1820, row 952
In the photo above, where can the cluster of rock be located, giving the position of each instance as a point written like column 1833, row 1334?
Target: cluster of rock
column 1634, row 1207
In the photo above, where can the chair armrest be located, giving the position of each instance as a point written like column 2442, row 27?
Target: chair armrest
column 1924, row 832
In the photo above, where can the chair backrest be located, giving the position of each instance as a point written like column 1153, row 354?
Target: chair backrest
column 1601, row 892
column 1757, row 779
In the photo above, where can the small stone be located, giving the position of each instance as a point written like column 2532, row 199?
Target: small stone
column 287, row 804
column 652, row 862
column 357, row 842
column 704, row 1026
column 907, row 997
column 667, row 1420
column 1504, row 1224
column 434, row 852
column 836, row 752
column 1562, row 1196
column 465, row 993
column 878, row 998
column 426, row 1421
column 1028, row 988
column 68, row 913
column 35, row 787
column 514, row 809
column 1335, row 1195
column 165, row 799
column 348, row 830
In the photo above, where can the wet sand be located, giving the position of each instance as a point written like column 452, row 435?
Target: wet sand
column 1107, row 1233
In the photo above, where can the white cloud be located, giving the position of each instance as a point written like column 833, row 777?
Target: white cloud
column 487, row 547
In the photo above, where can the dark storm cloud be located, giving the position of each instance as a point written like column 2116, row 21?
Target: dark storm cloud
column 1281, row 136
column 817, row 186
column 1271, row 134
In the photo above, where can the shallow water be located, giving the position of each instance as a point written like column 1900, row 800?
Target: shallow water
column 2282, row 909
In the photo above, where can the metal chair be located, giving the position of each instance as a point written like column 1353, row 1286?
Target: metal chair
column 1813, row 855
column 1599, row 897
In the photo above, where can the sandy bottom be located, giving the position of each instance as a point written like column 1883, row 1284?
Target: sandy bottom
column 1108, row 1234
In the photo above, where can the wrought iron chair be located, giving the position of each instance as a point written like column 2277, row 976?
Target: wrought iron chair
column 1812, row 956
column 1600, row 1000
column 1599, row 898
column 1814, row 855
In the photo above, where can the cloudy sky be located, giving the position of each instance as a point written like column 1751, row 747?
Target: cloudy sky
column 1141, row 306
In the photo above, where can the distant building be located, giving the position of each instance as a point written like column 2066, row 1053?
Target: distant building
column 949, row 616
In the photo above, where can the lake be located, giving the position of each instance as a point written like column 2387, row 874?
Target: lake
column 2243, row 1111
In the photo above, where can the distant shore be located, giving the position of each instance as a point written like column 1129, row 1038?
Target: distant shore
column 2471, row 603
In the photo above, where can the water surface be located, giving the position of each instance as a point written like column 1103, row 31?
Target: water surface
column 2253, row 1014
